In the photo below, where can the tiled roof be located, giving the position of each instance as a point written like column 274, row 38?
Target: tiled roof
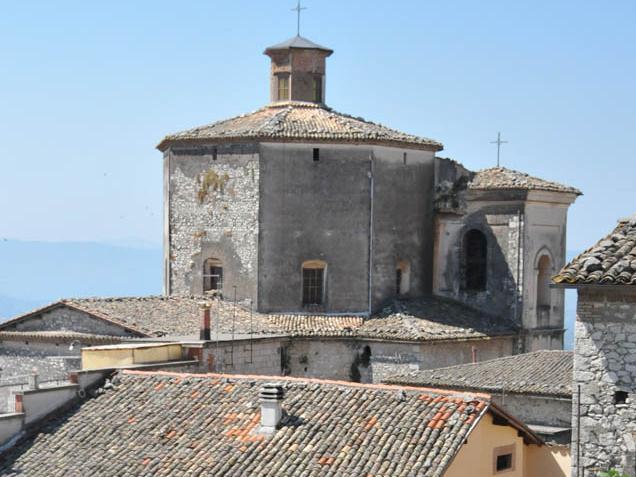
column 540, row 372
column 611, row 261
column 58, row 336
column 299, row 122
column 177, row 424
column 298, row 42
column 501, row 178
column 427, row 318
column 433, row 318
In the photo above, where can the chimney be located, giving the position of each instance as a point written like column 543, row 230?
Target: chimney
column 204, row 333
column 271, row 397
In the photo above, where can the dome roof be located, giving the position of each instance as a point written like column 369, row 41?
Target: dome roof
column 296, row 121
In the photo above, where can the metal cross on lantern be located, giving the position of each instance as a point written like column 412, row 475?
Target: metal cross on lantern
column 298, row 9
column 498, row 142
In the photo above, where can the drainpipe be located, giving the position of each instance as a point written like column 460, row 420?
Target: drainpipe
column 518, row 304
column 371, row 174
column 166, row 226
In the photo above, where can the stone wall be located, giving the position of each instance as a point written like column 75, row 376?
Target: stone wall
column 68, row 319
column 341, row 359
column 244, row 356
column 605, row 371
column 213, row 200
column 373, row 361
column 542, row 410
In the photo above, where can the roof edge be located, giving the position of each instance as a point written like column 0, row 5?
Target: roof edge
column 256, row 377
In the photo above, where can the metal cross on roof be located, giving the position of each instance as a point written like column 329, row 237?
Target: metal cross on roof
column 298, row 9
column 498, row 142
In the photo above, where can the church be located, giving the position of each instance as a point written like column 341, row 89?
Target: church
column 301, row 209
column 335, row 246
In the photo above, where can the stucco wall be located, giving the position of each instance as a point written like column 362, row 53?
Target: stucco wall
column 541, row 410
column 314, row 210
column 337, row 358
column 544, row 461
column 520, row 227
column 402, row 220
column 502, row 224
column 340, row 359
column 604, row 363
column 545, row 235
column 260, row 356
column 213, row 213
column 67, row 319
column 321, row 210
column 475, row 458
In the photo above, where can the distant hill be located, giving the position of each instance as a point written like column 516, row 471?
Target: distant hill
column 36, row 273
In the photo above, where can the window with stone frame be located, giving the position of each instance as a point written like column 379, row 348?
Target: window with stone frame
column 313, row 283
column 475, row 260
column 503, row 459
column 283, row 87
column 212, row 275
column 544, row 294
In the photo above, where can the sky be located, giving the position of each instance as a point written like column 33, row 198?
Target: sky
column 87, row 90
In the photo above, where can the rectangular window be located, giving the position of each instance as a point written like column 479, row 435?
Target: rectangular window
column 318, row 89
column 504, row 462
column 283, row 87
column 212, row 278
column 313, row 286
column 316, row 154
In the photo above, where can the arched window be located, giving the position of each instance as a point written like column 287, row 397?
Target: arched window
column 314, row 276
column 402, row 277
column 212, row 275
column 543, row 291
column 475, row 260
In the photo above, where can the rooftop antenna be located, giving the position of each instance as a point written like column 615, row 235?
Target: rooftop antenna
column 298, row 9
column 498, row 142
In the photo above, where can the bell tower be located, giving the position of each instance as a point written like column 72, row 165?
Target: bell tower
column 298, row 71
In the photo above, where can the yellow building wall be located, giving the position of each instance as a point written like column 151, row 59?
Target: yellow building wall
column 116, row 356
column 546, row 461
column 476, row 457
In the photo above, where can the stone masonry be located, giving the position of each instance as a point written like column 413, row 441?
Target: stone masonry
column 605, row 372
column 213, row 207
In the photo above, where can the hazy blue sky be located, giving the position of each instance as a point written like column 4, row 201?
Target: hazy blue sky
column 87, row 89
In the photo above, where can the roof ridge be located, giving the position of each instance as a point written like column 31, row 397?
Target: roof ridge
column 256, row 377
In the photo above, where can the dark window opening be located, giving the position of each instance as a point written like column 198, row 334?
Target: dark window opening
column 316, row 154
column 504, row 462
column 318, row 89
column 398, row 281
column 214, row 153
column 212, row 275
column 620, row 397
column 313, row 285
column 476, row 255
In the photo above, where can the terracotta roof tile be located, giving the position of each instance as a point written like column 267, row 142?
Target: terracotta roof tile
column 503, row 178
column 140, row 428
column 611, row 261
column 298, row 121
column 540, row 372
column 425, row 318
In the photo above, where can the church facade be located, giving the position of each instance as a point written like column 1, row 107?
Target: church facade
column 298, row 209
